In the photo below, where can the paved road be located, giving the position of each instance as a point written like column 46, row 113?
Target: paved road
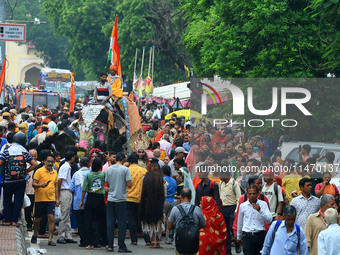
column 74, row 249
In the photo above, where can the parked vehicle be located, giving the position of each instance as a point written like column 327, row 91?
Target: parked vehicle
column 39, row 97
column 290, row 150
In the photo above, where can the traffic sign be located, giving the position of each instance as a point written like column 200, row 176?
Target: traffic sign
column 13, row 32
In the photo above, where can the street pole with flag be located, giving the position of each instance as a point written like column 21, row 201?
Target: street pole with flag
column 23, row 102
column 2, row 75
column 72, row 94
column 114, row 56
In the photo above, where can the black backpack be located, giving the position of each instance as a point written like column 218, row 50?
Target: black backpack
column 16, row 167
column 187, row 232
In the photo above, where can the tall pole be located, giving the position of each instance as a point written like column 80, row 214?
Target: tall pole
column 134, row 69
column 141, row 79
column 3, row 44
column 3, row 20
column 153, row 62
column 150, row 62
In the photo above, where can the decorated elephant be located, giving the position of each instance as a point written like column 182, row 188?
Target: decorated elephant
column 99, row 127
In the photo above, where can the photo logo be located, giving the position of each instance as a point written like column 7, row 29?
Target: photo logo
column 200, row 91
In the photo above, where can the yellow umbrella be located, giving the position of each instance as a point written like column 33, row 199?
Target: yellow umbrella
column 186, row 113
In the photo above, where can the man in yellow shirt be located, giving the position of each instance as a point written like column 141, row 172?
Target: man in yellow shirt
column 45, row 183
column 116, row 84
column 291, row 183
column 134, row 195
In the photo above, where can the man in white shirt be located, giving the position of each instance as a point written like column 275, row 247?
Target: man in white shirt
column 179, row 153
column 156, row 112
column 192, row 122
column 253, row 214
column 328, row 240
column 230, row 194
column 65, row 198
column 274, row 194
column 52, row 125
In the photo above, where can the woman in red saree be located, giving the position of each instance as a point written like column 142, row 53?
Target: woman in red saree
column 213, row 236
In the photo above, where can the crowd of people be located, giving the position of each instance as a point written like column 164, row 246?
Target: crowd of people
column 227, row 188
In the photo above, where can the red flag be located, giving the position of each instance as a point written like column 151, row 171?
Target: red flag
column 39, row 82
column 72, row 94
column 2, row 75
column 23, row 102
column 114, row 48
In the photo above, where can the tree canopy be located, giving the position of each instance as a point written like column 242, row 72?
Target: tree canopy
column 240, row 38
column 88, row 23
column 51, row 47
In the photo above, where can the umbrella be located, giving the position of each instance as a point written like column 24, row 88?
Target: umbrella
column 186, row 113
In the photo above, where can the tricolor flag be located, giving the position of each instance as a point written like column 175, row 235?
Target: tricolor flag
column 114, row 55
column 72, row 94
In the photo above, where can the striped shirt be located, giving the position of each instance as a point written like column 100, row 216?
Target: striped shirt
column 102, row 91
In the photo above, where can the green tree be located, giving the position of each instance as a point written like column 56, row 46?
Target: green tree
column 328, row 14
column 88, row 24
column 240, row 38
column 52, row 49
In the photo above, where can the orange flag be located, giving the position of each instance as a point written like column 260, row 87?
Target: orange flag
column 72, row 94
column 2, row 75
column 114, row 55
column 23, row 102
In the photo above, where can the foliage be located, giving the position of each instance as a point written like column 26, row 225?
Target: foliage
column 328, row 14
column 52, row 48
column 88, row 24
column 322, row 125
column 240, row 38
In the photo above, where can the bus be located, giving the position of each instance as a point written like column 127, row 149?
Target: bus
column 55, row 80
column 35, row 97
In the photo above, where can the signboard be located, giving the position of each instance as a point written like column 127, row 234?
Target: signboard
column 13, row 32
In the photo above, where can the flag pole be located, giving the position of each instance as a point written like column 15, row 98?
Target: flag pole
column 134, row 69
column 141, row 78
column 153, row 62
column 150, row 62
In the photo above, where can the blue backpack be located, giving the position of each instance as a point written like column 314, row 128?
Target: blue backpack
column 278, row 223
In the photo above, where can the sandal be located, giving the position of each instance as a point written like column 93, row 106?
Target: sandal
column 89, row 247
column 34, row 239
column 109, row 249
column 51, row 243
column 6, row 224
column 134, row 243
column 43, row 236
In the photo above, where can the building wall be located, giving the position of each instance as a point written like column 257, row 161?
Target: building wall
column 20, row 59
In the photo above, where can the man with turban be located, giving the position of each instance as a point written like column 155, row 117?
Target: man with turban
column 116, row 84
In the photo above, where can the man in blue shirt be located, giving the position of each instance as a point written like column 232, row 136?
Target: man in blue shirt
column 286, row 237
column 76, row 189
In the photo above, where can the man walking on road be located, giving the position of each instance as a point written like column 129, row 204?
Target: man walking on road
column 65, row 198
column 45, row 183
column 117, row 178
column 250, row 224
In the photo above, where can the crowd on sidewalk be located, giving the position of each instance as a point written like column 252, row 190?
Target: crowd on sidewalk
column 186, row 183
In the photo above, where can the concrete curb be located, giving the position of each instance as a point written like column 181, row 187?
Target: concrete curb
column 20, row 238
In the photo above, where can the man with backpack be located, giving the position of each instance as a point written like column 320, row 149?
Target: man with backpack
column 187, row 218
column 230, row 193
column 14, row 159
column 274, row 194
column 285, row 237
